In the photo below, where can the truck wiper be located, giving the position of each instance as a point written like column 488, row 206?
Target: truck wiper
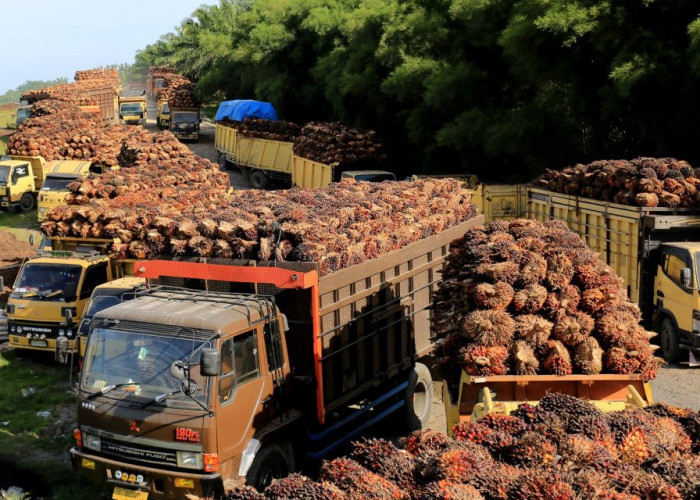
column 109, row 388
column 160, row 398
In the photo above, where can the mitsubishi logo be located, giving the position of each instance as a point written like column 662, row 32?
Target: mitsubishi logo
column 134, row 427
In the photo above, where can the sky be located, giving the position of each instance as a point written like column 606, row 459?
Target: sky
column 49, row 39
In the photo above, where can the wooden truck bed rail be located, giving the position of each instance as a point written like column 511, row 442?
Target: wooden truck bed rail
column 474, row 397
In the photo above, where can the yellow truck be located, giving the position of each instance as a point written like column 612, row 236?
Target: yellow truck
column 54, row 191
column 163, row 114
column 21, row 177
column 52, row 289
column 102, row 297
column 655, row 250
column 132, row 109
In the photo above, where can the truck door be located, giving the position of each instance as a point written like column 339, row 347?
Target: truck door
column 672, row 298
column 242, row 388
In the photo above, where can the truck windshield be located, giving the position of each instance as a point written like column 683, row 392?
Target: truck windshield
column 53, row 183
column 118, row 357
column 22, row 114
column 374, row 177
column 134, row 108
column 43, row 281
column 696, row 261
column 188, row 117
column 4, row 174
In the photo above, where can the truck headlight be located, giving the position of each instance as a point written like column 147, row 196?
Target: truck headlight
column 69, row 332
column 61, row 332
column 696, row 321
column 19, row 329
column 189, row 460
column 91, row 441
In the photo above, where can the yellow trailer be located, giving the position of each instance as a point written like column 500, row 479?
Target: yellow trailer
column 311, row 174
column 655, row 250
column 474, row 397
column 262, row 159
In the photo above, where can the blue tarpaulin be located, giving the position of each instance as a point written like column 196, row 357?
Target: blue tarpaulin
column 241, row 109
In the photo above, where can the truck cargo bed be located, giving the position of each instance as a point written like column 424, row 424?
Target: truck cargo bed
column 351, row 331
column 475, row 396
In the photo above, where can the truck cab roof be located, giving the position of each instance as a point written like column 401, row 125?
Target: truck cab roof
column 690, row 246
column 194, row 309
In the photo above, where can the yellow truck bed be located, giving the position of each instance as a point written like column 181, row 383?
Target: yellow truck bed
column 473, row 397
column 253, row 152
column 311, row 174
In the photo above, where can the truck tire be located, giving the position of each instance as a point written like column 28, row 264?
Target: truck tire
column 669, row 341
column 223, row 164
column 273, row 461
column 419, row 397
column 258, row 179
column 26, row 203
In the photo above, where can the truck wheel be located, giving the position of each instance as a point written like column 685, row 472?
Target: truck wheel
column 419, row 397
column 258, row 180
column 669, row 341
column 26, row 203
column 223, row 164
column 273, row 461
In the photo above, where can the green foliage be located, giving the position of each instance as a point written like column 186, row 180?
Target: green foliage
column 12, row 96
column 500, row 88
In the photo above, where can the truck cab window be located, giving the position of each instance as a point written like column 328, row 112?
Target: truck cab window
column 239, row 363
column 672, row 267
column 95, row 275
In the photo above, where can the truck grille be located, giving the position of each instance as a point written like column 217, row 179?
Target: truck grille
column 135, row 453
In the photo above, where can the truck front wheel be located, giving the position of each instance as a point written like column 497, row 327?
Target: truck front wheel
column 258, row 180
column 26, row 203
column 223, row 164
column 419, row 397
column 273, row 461
column 669, row 341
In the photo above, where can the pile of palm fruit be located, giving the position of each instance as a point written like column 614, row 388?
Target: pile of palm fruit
column 275, row 130
column 528, row 298
column 183, row 211
column 335, row 143
column 564, row 448
column 644, row 182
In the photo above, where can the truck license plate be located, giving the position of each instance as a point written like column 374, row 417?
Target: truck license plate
column 38, row 343
column 127, row 494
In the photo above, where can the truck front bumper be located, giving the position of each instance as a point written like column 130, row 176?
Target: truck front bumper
column 158, row 483
column 183, row 135
column 37, row 337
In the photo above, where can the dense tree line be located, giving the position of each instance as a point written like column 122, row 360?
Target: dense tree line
column 500, row 88
column 12, row 96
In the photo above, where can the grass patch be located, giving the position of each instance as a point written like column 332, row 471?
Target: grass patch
column 3, row 144
column 8, row 116
column 34, row 383
column 21, row 225
column 209, row 110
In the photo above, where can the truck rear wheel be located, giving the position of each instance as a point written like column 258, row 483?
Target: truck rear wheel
column 419, row 397
column 223, row 164
column 258, row 180
column 669, row 341
column 26, row 203
column 273, row 461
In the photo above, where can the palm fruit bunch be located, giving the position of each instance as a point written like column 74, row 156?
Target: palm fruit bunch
column 561, row 448
column 526, row 298
column 382, row 457
column 297, row 486
column 644, row 182
column 357, row 482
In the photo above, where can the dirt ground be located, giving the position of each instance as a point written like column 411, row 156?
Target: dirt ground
column 12, row 252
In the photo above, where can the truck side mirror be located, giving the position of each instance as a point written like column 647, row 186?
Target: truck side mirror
column 686, row 277
column 210, row 364
column 61, row 354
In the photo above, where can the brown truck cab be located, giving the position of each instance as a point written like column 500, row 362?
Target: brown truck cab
column 151, row 420
column 252, row 369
